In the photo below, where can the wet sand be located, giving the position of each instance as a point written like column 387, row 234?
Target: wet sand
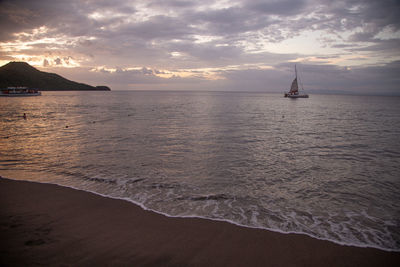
column 43, row 224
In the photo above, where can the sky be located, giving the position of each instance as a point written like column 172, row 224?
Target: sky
column 350, row 46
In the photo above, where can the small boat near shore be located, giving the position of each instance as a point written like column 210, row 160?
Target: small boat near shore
column 294, row 89
column 19, row 91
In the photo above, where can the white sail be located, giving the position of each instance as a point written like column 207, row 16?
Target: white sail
column 295, row 87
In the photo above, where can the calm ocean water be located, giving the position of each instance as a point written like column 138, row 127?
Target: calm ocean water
column 327, row 166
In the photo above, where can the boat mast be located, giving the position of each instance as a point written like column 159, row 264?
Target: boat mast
column 301, row 84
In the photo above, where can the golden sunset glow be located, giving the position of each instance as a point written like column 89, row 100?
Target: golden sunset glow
column 200, row 133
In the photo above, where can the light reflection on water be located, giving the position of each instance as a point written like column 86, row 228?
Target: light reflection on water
column 327, row 166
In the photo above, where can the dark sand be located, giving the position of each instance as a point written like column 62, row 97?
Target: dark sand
column 44, row 224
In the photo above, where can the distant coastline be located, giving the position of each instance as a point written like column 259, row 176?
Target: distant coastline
column 21, row 74
column 96, row 88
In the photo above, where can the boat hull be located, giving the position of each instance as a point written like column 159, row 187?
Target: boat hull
column 297, row 96
column 17, row 95
column 294, row 89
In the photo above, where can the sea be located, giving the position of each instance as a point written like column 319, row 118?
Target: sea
column 327, row 166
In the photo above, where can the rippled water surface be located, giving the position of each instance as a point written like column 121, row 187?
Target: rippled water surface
column 327, row 166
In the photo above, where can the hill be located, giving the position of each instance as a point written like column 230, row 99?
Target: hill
column 23, row 74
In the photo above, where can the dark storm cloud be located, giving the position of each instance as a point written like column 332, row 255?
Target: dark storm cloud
column 158, row 27
column 226, row 21
column 20, row 16
column 171, row 4
column 277, row 7
column 273, row 18
column 68, row 17
column 72, row 16
column 57, row 61
column 177, row 34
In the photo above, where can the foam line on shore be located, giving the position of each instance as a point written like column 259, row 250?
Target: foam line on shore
column 49, row 225
column 142, row 206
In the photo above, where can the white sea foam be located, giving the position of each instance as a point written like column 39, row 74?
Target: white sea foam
column 144, row 207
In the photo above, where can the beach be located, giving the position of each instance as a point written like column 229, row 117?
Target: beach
column 45, row 224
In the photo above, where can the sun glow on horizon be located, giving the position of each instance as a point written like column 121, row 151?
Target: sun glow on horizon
column 223, row 43
column 40, row 48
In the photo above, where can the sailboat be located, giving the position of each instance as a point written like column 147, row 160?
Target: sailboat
column 294, row 89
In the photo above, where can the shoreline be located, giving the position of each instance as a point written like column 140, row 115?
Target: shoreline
column 206, row 218
column 47, row 224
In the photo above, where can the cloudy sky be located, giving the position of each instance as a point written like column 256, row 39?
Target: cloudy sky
column 338, row 46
